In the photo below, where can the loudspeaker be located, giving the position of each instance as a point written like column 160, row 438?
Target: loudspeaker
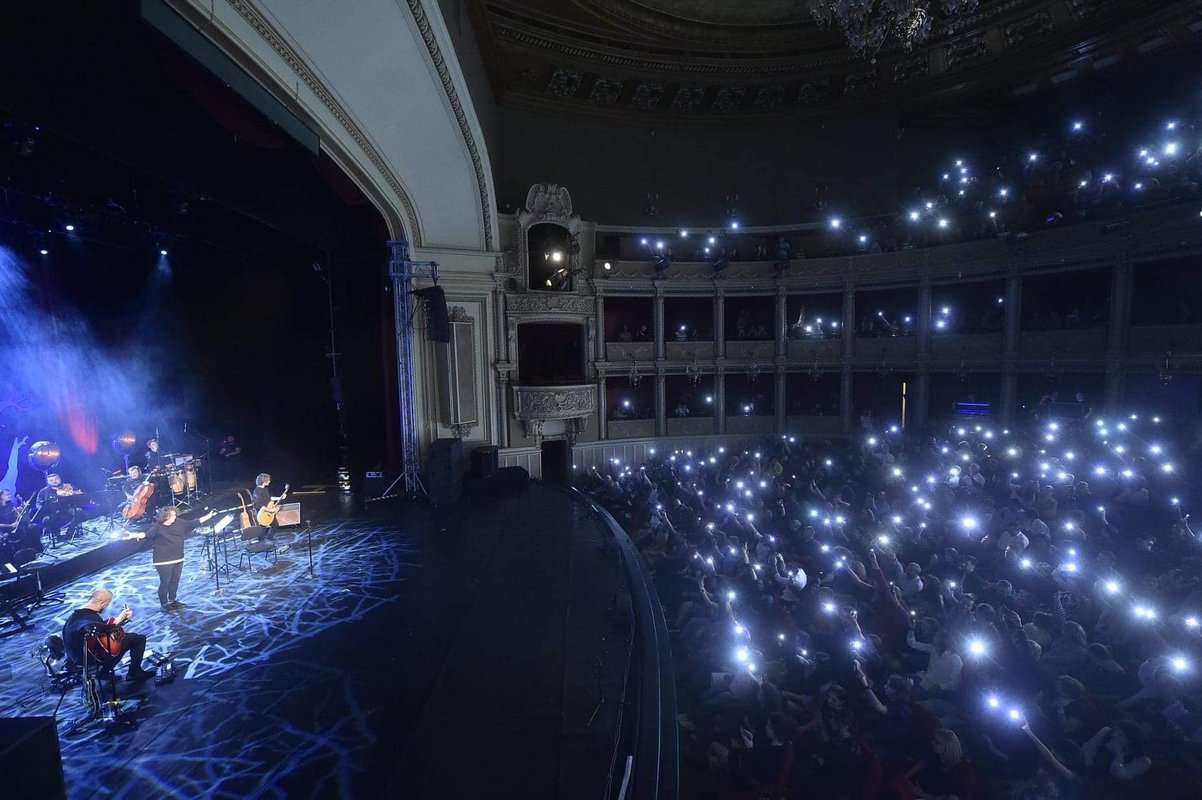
column 445, row 470
column 485, row 461
column 29, row 758
column 457, row 376
column 438, row 322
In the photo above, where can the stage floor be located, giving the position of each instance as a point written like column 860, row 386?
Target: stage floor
column 427, row 642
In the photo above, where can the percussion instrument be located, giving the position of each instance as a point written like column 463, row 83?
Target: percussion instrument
column 190, row 475
column 44, row 455
column 176, row 481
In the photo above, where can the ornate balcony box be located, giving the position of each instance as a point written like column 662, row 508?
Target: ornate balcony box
column 1089, row 342
column 875, row 347
column 810, row 349
column 554, row 402
column 1159, row 339
column 631, row 428
column 622, row 351
column 684, row 351
column 690, row 426
column 968, row 345
column 739, row 425
column 750, row 350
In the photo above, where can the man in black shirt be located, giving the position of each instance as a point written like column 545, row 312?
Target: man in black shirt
column 153, row 458
column 166, row 537
column 84, row 621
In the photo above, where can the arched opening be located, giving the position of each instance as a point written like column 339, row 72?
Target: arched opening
column 549, row 253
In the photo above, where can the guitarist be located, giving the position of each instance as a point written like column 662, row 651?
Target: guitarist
column 261, row 498
column 166, row 537
column 90, row 617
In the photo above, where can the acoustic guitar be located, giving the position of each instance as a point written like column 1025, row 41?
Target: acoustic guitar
column 266, row 514
column 106, row 646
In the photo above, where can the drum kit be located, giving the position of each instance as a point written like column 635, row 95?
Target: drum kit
column 179, row 475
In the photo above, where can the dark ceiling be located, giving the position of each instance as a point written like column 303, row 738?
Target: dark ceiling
column 721, row 59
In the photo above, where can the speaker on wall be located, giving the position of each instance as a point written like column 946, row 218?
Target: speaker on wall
column 437, row 321
column 457, row 373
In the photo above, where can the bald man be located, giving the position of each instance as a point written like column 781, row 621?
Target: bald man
column 77, row 626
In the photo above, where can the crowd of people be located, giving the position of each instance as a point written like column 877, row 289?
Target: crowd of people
column 974, row 612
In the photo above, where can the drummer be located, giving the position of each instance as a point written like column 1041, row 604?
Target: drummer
column 155, row 459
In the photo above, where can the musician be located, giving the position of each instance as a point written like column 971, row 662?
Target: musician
column 153, row 458
column 49, row 513
column 260, row 497
column 8, row 512
column 91, row 618
column 166, row 537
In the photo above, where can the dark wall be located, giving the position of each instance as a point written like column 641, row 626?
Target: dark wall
column 780, row 171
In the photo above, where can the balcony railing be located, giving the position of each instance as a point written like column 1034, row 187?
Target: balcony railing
column 554, row 402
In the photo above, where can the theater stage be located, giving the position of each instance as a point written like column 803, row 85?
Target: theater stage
column 463, row 653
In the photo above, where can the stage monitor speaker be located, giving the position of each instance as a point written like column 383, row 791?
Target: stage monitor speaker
column 289, row 515
column 374, row 483
column 30, row 759
column 457, row 376
column 444, row 470
column 486, row 461
column 438, row 322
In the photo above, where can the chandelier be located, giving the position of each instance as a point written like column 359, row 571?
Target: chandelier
column 870, row 24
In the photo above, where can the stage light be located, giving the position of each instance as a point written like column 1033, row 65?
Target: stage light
column 835, row 223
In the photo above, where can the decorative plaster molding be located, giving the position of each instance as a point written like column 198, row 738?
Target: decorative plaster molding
column 276, row 41
column 548, row 303
column 554, row 402
column 448, row 85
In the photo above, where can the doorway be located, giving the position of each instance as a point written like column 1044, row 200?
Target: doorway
column 557, row 461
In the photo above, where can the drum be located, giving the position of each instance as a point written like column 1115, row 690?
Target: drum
column 190, row 470
column 176, row 480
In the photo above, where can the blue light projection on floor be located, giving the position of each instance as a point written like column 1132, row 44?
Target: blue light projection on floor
column 268, row 700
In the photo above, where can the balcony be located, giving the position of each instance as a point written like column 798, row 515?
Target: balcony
column 623, row 351
column 542, row 403
column 968, row 346
column 743, row 425
column 631, row 428
column 879, row 347
column 1159, row 339
column 1085, row 342
column 690, row 426
column 684, row 351
column 814, row 426
column 815, row 349
column 744, row 350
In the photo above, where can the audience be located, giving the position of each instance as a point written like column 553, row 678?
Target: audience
column 973, row 613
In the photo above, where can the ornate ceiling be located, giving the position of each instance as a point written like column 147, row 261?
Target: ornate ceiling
column 722, row 59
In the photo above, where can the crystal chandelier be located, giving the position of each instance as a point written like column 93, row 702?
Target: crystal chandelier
column 870, row 24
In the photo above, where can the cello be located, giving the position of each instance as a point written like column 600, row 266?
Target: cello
column 136, row 506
